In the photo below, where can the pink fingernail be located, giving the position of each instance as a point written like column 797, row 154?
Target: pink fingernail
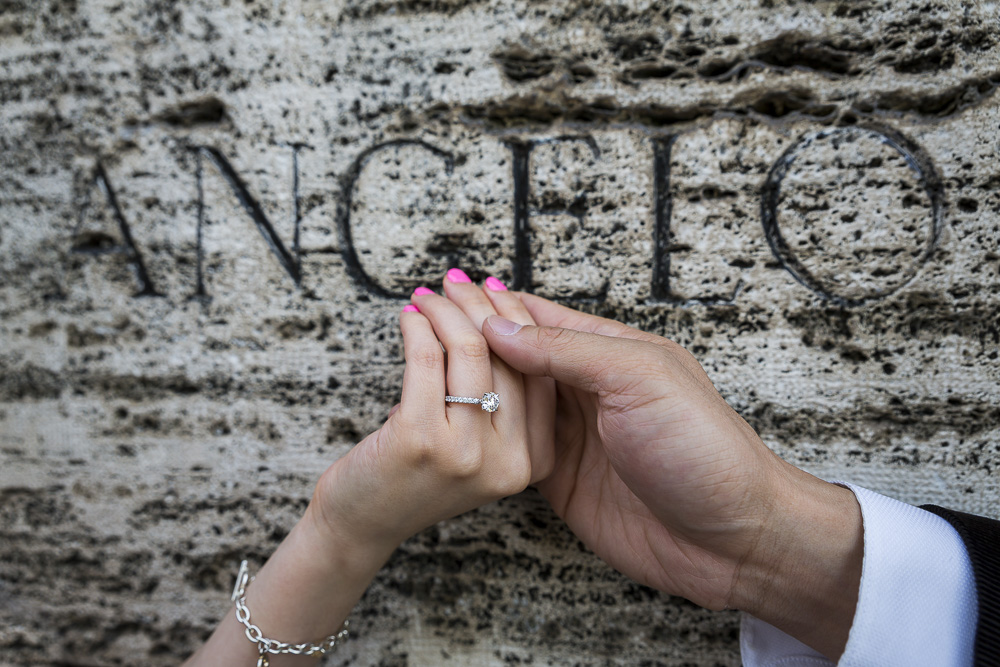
column 411, row 309
column 458, row 276
column 495, row 284
column 422, row 291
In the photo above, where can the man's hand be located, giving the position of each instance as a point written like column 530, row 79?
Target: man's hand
column 663, row 480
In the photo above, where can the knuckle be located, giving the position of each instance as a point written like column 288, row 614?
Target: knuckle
column 658, row 366
column 677, row 361
column 420, row 443
column 472, row 347
column 461, row 463
column 554, row 343
column 661, row 360
column 677, row 350
column 437, row 452
column 554, row 337
column 427, row 357
column 514, row 478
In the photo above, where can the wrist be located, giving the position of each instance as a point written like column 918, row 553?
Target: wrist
column 345, row 543
column 302, row 594
column 804, row 572
column 311, row 582
column 336, row 524
column 356, row 502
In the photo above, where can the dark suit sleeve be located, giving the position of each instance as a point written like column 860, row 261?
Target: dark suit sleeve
column 982, row 540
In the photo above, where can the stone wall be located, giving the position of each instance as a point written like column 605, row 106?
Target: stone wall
column 211, row 213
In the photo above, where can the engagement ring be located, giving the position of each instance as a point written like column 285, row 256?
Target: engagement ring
column 489, row 402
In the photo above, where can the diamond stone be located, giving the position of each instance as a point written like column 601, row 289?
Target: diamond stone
column 490, row 401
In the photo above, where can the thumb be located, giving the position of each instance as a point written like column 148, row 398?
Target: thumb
column 575, row 358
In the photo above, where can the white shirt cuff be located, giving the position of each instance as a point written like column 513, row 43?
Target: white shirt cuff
column 916, row 605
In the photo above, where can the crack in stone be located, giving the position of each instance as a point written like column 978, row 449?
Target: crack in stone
column 550, row 108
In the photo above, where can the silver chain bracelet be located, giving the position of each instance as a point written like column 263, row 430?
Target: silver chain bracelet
column 273, row 646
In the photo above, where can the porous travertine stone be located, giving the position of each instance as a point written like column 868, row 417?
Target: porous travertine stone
column 211, row 214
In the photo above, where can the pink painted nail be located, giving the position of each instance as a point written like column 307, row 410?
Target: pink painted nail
column 421, row 291
column 458, row 276
column 411, row 309
column 495, row 284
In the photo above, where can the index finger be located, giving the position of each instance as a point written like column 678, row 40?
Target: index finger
column 550, row 314
column 423, row 376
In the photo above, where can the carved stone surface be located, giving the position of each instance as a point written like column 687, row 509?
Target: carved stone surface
column 211, row 213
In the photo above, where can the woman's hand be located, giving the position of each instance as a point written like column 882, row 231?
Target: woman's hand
column 429, row 461
column 432, row 460
column 662, row 479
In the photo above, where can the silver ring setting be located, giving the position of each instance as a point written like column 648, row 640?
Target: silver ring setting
column 490, row 402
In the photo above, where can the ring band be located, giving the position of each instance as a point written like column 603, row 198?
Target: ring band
column 490, row 401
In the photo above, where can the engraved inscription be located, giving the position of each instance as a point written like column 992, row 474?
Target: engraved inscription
column 551, row 220
column 290, row 261
column 556, row 199
column 98, row 243
column 830, row 229
column 401, row 239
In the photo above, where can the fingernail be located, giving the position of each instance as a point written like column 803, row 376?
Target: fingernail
column 411, row 309
column 458, row 276
column 495, row 284
column 421, row 291
column 503, row 327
